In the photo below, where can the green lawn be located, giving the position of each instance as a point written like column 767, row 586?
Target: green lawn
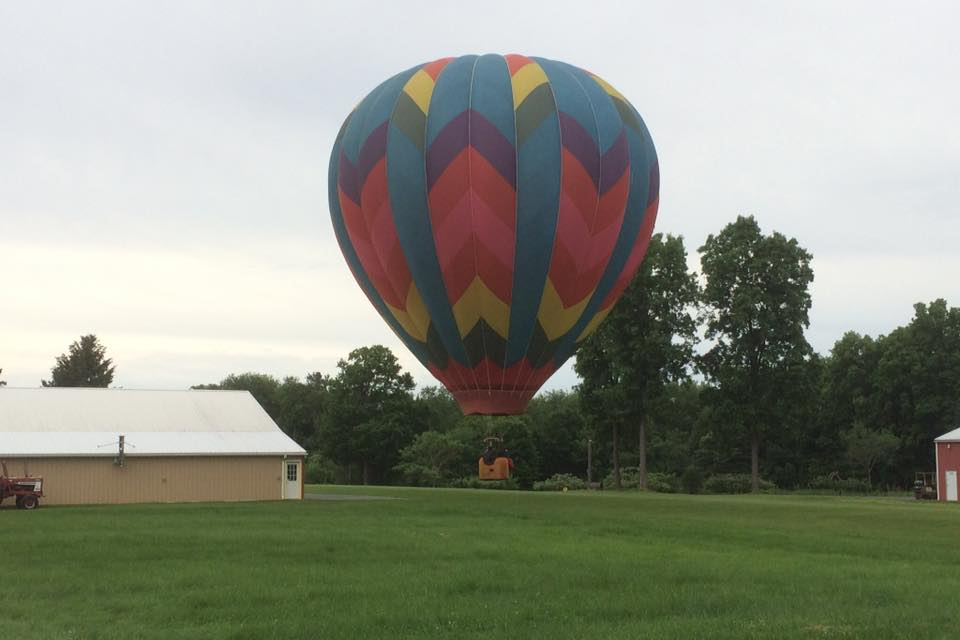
column 486, row 564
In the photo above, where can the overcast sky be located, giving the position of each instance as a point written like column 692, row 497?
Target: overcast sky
column 163, row 165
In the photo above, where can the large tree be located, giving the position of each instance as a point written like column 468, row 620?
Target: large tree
column 85, row 364
column 372, row 413
column 302, row 405
column 848, row 395
column 646, row 342
column 601, row 395
column 439, row 408
column 757, row 302
column 906, row 383
column 428, row 459
column 867, row 448
column 918, row 382
column 558, row 429
column 654, row 331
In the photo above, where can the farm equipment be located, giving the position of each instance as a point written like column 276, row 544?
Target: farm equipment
column 495, row 463
column 26, row 489
column 925, row 485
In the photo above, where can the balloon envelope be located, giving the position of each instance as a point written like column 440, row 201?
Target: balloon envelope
column 493, row 209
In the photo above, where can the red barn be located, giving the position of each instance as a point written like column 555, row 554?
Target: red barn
column 948, row 465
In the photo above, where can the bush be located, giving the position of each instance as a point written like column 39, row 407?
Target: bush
column 418, row 475
column 629, row 479
column 472, row 482
column 691, row 480
column 839, row 485
column 663, row 482
column 656, row 481
column 734, row 483
column 319, row 470
column 428, row 460
column 560, row 482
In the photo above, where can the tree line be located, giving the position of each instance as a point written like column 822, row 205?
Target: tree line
column 694, row 379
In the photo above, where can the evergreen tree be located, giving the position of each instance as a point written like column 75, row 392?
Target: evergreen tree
column 84, row 365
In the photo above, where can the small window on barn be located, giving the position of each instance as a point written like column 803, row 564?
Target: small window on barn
column 292, row 471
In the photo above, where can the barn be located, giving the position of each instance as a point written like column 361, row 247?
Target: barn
column 109, row 446
column 948, row 465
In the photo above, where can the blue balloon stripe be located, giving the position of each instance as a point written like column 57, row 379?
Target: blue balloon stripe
column 607, row 117
column 491, row 94
column 538, row 202
column 641, row 153
column 353, row 138
column 407, row 185
column 451, row 95
column 570, row 97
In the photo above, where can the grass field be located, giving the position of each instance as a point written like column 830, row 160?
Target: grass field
column 486, row 564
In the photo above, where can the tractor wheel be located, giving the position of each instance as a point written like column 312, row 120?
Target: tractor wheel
column 29, row 502
column 19, row 498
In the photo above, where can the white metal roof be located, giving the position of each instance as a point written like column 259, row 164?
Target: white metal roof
column 951, row 436
column 88, row 422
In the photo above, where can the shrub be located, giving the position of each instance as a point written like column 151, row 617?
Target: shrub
column 560, row 482
column 656, row 481
column 418, row 475
column 734, row 483
column 691, row 480
column 427, row 461
column 839, row 485
column 472, row 482
column 629, row 479
column 319, row 470
column 663, row 482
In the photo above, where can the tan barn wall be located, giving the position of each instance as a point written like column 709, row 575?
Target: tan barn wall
column 171, row 479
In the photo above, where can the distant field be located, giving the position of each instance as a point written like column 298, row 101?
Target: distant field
column 486, row 564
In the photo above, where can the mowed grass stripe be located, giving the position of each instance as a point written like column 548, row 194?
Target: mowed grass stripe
column 471, row 564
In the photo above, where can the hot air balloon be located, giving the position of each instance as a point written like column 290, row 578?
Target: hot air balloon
column 493, row 209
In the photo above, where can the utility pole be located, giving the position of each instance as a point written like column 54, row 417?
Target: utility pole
column 122, row 446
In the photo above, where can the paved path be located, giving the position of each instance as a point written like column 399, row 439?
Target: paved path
column 344, row 497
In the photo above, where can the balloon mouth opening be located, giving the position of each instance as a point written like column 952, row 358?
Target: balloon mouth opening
column 492, row 402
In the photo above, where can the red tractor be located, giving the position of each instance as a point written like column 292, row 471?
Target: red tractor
column 27, row 489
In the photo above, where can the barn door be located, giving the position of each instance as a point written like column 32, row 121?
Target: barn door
column 291, row 480
column 952, row 486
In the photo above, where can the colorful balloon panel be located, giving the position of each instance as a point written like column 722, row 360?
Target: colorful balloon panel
column 493, row 209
